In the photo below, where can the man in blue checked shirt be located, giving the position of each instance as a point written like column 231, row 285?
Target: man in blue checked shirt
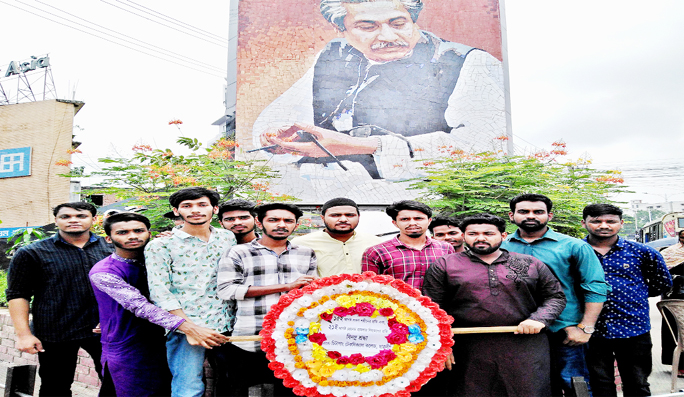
column 635, row 272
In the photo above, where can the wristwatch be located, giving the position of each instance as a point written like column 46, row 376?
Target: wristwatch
column 587, row 329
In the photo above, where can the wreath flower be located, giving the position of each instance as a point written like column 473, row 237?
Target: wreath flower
column 410, row 337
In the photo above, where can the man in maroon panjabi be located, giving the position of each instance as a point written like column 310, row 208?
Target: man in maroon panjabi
column 485, row 287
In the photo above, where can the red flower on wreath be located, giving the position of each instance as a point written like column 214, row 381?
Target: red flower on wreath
column 357, row 358
column 396, row 338
column 399, row 328
column 376, row 361
column 365, row 309
column 386, row 311
column 318, row 338
column 326, row 316
column 341, row 311
column 334, row 354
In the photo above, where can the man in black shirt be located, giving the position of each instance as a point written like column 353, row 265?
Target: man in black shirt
column 54, row 272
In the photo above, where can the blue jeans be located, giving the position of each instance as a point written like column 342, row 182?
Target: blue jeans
column 186, row 363
column 566, row 362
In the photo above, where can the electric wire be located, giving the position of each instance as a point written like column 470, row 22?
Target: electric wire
column 163, row 24
column 163, row 51
column 174, row 20
column 114, row 42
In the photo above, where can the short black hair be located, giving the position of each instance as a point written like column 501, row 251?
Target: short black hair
column 264, row 208
column 194, row 193
column 124, row 217
column 595, row 210
column 338, row 202
column 411, row 205
column 679, row 234
column 484, row 219
column 441, row 220
column 236, row 205
column 171, row 215
column 77, row 205
column 531, row 197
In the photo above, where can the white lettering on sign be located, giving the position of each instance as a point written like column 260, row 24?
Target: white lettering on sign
column 9, row 161
column 356, row 334
column 23, row 67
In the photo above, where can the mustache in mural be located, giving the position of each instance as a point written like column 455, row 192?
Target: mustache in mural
column 393, row 44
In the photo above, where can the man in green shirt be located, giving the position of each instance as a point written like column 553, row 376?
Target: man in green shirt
column 579, row 271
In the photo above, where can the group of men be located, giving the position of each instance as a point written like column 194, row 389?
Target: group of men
column 199, row 285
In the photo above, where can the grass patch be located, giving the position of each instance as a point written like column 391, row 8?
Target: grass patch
column 3, row 287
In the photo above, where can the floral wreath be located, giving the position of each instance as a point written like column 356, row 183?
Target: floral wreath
column 417, row 333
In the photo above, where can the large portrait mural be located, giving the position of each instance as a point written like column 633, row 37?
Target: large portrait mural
column 352, row 97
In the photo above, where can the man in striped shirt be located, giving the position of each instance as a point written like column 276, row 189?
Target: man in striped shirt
column 407, row 256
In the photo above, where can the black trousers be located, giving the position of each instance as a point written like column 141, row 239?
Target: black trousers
column 58, row 366
column 633, row 356
column 246, row 369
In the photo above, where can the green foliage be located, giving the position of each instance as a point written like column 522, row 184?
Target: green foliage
column 24, row 237
column 150, row 176
column 464, row 184
column 3, row 287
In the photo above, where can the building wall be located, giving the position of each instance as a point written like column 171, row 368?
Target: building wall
column 46, row 127
column 666, row 206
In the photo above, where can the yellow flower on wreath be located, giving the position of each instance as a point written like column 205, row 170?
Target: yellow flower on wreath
column 345, row 301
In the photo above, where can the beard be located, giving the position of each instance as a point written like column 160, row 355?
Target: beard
column 332, row 230
column 484, row 251
column 196, row 222
column 123, row 247
column 531, row 226
column 283, row 237
column 244, row 232
column 74, row 233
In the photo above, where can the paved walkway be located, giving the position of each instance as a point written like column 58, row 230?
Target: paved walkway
column 660, row 377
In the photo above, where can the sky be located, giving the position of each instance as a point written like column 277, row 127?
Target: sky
column 603, row 76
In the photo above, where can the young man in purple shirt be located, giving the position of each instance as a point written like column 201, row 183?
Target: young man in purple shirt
column 133, row 342
column 407, row 256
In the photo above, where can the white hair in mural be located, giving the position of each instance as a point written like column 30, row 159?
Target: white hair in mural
column 334, row 11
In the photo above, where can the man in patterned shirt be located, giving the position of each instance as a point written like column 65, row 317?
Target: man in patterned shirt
column 255, row 275
column 407, row 256
column 634, row 271
column 133, row 351
column 182, row 279
column 487, row 286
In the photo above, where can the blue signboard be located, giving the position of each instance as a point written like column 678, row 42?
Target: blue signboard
column 7, row 232
column 15, row 162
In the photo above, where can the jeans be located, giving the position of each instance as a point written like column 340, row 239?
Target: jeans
column 58, row 366
column 633, row 356
column 186, row 363
column 566, row 362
